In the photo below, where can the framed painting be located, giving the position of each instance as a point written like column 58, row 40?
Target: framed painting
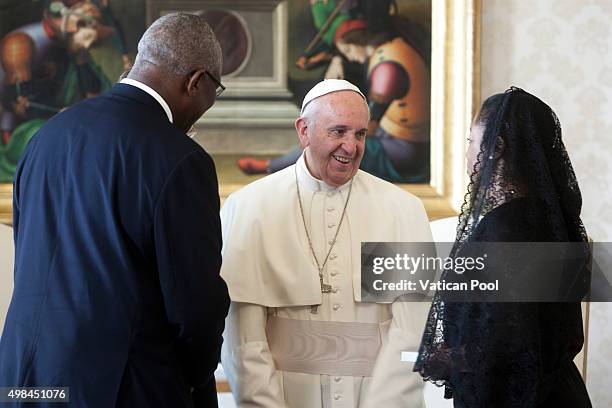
column 53, row 54
column 290, row 45
column 275, row 50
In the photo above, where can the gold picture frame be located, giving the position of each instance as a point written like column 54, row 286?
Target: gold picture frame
column 6, row 203
column 455, row 96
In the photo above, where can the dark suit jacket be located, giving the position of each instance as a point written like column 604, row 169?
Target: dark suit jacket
column 117, row 256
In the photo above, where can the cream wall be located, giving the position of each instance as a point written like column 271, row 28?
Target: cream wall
column 561, row 50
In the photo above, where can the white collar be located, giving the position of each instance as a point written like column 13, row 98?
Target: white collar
column 151, row 92
column 306, row 179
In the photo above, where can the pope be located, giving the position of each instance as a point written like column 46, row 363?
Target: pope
column 298, row 333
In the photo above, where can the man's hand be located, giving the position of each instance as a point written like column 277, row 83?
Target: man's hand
column 335, row 70
column 313, row 61
column 127, row 61
column 21, row 105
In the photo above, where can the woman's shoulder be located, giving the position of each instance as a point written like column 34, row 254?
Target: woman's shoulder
column 520, row 219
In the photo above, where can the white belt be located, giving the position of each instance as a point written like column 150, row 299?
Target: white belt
column 332, row 348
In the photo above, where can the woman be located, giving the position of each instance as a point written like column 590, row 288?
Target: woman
column 522, row 189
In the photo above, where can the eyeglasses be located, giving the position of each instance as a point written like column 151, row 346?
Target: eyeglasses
column 220, row 88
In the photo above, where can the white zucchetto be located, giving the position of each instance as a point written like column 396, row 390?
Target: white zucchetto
column 328, row 86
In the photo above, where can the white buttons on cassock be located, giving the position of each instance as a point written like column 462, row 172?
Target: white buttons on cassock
column 335, row 290
column 337, row 397
column 333, row 256
column 336, row 306
column 337, row 379
column 331, row 225
column 330, row 209
column 334, row 272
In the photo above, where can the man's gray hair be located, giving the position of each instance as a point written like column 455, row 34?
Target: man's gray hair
column 180, row 43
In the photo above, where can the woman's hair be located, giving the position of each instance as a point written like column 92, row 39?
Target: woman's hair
column 532, row 163
column 363, row 37
column 489, row 107
column 382, row 29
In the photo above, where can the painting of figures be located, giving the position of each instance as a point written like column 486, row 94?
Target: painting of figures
column 53, row 54
column 383, row 47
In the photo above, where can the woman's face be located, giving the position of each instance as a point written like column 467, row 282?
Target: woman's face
column 352, row 52
column 475, row 140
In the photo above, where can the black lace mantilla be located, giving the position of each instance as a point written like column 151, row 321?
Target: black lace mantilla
column 523, row 189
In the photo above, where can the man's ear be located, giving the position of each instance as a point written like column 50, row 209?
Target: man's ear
column 195, row 81
column 301, row 126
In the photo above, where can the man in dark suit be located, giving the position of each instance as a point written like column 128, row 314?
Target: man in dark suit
column 117, row 288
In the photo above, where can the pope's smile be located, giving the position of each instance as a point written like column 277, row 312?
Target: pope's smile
column 342, row 159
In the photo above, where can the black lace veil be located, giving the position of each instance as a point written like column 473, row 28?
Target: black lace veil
column 521, row 155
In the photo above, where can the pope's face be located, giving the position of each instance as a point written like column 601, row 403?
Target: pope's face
column 334, row 132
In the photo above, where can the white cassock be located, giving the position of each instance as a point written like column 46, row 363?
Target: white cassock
column 277, row 353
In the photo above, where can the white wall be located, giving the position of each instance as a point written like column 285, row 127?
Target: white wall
column 561, row 51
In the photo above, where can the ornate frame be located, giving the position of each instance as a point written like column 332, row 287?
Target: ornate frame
column 6, row 203
column 455, row 97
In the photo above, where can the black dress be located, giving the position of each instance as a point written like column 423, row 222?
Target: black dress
column 514, row 354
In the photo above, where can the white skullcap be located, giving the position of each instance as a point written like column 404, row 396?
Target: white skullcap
column 328, row 86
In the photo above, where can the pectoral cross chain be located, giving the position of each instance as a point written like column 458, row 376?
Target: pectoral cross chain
column 325, row 288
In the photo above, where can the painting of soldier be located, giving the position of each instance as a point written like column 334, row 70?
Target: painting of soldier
column 383, row 47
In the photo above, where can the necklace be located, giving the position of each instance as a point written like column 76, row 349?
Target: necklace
column 325, row 288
